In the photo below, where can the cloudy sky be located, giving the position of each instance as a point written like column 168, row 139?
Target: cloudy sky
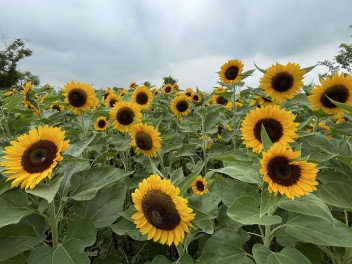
column 111, row 43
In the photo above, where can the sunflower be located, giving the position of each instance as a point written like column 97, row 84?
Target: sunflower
column 162, row 213
column 107, row 92
column 112, row 99
column 176, row 87
column 189, row 92
column 285, row 175
column 340, row 118
column 27, row 87
column 282, row 82
column 168, row 88
column 146, row 139
column 124, row 115
column 80, row 97
column 278, row 123
column 231, row 71
column 180, row 106
column 261, row 101
column 9, row 93
column 33, row 156
column 199, row 186
column 101, row 124
column 132, row 85
column 197, row 98
column 156, row 91
column 57, row 107
column 221, row 100
column 122, row 92
column 142, row 96
column 338, row 87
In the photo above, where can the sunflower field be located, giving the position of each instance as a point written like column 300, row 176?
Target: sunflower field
column 171, row 174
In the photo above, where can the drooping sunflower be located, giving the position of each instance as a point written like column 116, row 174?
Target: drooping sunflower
column 112, row 99
column 57, row 107
column 27, row 87
column 230, row 72
column 132, row 85
column 9, row 93
column 176, row 87
column 167, row 88
column 161, row 212
column 279, row 125
column 33, row 156
column 80, row 97
column 146, row 139
column 124, row 115
column 338, row 87
column 180, row 106
column 282, row 82
column 200, row 186
column 285, row 175
column 142, row 96
column 101, row 124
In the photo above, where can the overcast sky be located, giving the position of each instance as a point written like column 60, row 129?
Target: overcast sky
column 112, row 43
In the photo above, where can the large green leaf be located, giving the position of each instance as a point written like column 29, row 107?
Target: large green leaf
column 268, row 201
column 245, row 210
column 17, row 238
column 105, row 207
column 263, row 255
column 80, row 235
column 76, row 149
column 160, row 260
column 126, row 227
column 344, row 106
column 47, row 191
column 337, row 194
column 318, row 231
column 19, row 259
column 224, row 247
column 13, row 207
column 241, row 172
column 307, row 205
column 230, row 189
column 85, row 184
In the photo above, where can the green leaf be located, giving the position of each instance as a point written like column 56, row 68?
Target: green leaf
column 224, row 247
column 308, row 69
column 47, row 191
column 160, row 260
column 126, row 227
column 20, row 237
column 337, row 194
column 105, row 207
column 318, row 231
column 85, row 184
column 186, row 183
column 76, row 149
column 346, row 107
column 308, row 205
column 263, row 255
column 13, row 207
column 265, row 139
column 268, row 201
column 230, row 189
column 259, row 69
column 185, row 259
column 242, row 173
column 245, row 211
column 19, row 259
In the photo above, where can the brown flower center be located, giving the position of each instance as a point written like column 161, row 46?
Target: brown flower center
column 273, row 128
column 112, row 102
column 144, row 140
column 336, row 92
column 282, row 81
column 142, row 98
column 182, row 106
column 221, row 100
column 39, row 156
column 200, row 186
column 101, row 123
column 160, row 210
column 231, row 73
column 282, row 172
column 77, row 97
column 125, row 116
column 167, row 89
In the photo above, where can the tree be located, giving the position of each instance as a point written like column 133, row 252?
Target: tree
column 169, row 80
column 343, row 60
column 9, row 58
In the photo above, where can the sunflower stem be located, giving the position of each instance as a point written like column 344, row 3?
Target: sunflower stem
column 54, row 224
column 346, row 216
column 233, row 99
column 180, row 250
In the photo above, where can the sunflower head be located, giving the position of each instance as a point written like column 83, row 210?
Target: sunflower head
column 156, row 91
column 132, row 85
column 181, row 106
column 101, row 124
column 167, row 88
column 230, row 72
column 146, row 139
column 122, row 92
column 221, row 100
column 124, row 115
column 112, row 99
column 285, row 175
column 161, row 212
column 279, row 124
column 57, row 107
column 107, row 92
column 142, row 96
column 199, row 186
column 27, row 87
column 338, row 87
column 33, row 156
column 176, row 87
column 189, row 92
column 80, row 97
column 282, row 82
